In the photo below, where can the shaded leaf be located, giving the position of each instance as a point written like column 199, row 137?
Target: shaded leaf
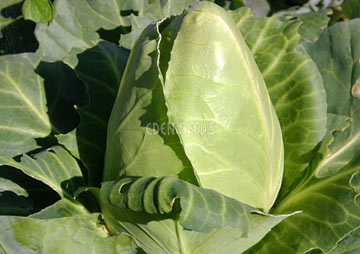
column 63, row 91
column 294, row 84
column 37, row 10
column 7, row 185
column 54, row 167
column 39, row 194
column 101, row 69
column 22, row 105
column 133, row 148
column 18, row 37
column 12, row 204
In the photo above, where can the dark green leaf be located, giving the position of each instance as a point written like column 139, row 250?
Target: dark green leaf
column 351, row 9
column 63, row 90
column 337, row 55
column 349, row 245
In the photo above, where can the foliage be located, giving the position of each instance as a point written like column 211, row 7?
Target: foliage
column 134, row 126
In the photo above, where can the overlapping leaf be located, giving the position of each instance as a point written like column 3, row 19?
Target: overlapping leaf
column 149, row 12
column 55, row 167
column 23, row 112
column 294, row 84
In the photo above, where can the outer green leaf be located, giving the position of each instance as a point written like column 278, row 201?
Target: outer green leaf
column 201, row 209
column 330, row 211
column 37, row 10
column 22, row 105
column 340, row 71
column 101, row 69
column 159, row 234
column 74, row 25
column 55, row 167
column 294, row 84
column 218, row 103
column 79, row 234
column 7, row 185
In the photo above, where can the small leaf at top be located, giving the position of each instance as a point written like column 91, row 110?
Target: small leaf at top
column 37, row 10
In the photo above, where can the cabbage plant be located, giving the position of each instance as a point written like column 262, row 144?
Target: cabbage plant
column 178, row 127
